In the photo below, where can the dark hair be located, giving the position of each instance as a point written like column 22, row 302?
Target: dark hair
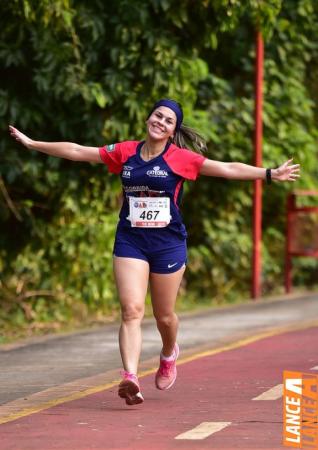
column 187, row 137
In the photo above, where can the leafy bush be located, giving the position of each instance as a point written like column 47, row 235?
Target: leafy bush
column 88, row 72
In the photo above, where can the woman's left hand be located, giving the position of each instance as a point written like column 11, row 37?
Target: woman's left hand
column 286, row 172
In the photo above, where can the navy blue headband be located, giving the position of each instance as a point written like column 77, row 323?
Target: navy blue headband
column 174, row 106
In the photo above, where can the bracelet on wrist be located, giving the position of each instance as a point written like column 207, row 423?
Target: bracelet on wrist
column 268, row 176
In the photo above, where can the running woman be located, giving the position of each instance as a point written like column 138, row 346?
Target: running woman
column 150, row 242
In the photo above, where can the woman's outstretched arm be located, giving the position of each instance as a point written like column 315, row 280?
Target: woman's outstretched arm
column 67, row 150
column 240, row 171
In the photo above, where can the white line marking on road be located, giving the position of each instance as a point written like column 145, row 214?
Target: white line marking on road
column 272, row 394
column 314, row 368
column 203, row 430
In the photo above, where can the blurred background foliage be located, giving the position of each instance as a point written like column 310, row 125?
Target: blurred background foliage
column 88, row 71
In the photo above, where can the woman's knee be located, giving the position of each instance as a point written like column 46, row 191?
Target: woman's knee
column 131, row 312
column 166, row 320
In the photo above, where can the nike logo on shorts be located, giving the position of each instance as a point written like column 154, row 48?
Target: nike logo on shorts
column 172, row 265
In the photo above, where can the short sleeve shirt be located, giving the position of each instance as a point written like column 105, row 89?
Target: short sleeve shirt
column 162, row 176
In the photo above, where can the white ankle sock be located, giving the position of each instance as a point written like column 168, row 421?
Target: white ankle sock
column 169, row 358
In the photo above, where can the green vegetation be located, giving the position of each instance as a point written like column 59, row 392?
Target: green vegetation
column 88, row 71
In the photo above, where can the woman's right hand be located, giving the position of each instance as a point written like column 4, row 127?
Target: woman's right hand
column 20, row 137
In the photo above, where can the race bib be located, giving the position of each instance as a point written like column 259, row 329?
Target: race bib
column 149, row 212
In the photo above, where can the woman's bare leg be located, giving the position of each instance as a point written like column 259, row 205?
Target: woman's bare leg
column 164, row 290
column 131, row 277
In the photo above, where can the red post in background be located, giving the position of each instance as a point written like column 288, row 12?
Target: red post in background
column 257, row 197
column 291, row 205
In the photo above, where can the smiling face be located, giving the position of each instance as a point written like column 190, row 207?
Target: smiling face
column 161, row 124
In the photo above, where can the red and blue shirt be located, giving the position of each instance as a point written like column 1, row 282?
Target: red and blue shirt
column 162, row 176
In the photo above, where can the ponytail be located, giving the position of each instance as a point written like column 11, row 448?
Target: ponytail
column 186, row 137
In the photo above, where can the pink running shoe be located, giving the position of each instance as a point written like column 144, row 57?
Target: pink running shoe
column 129, row 389
column 167, row 372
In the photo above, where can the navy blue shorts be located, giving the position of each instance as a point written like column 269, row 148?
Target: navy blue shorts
column 163, row 255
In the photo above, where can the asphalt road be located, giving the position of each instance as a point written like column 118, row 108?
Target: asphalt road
column 227, row 398
column 32, row 367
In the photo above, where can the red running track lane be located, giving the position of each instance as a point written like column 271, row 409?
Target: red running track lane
column 217, row 388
